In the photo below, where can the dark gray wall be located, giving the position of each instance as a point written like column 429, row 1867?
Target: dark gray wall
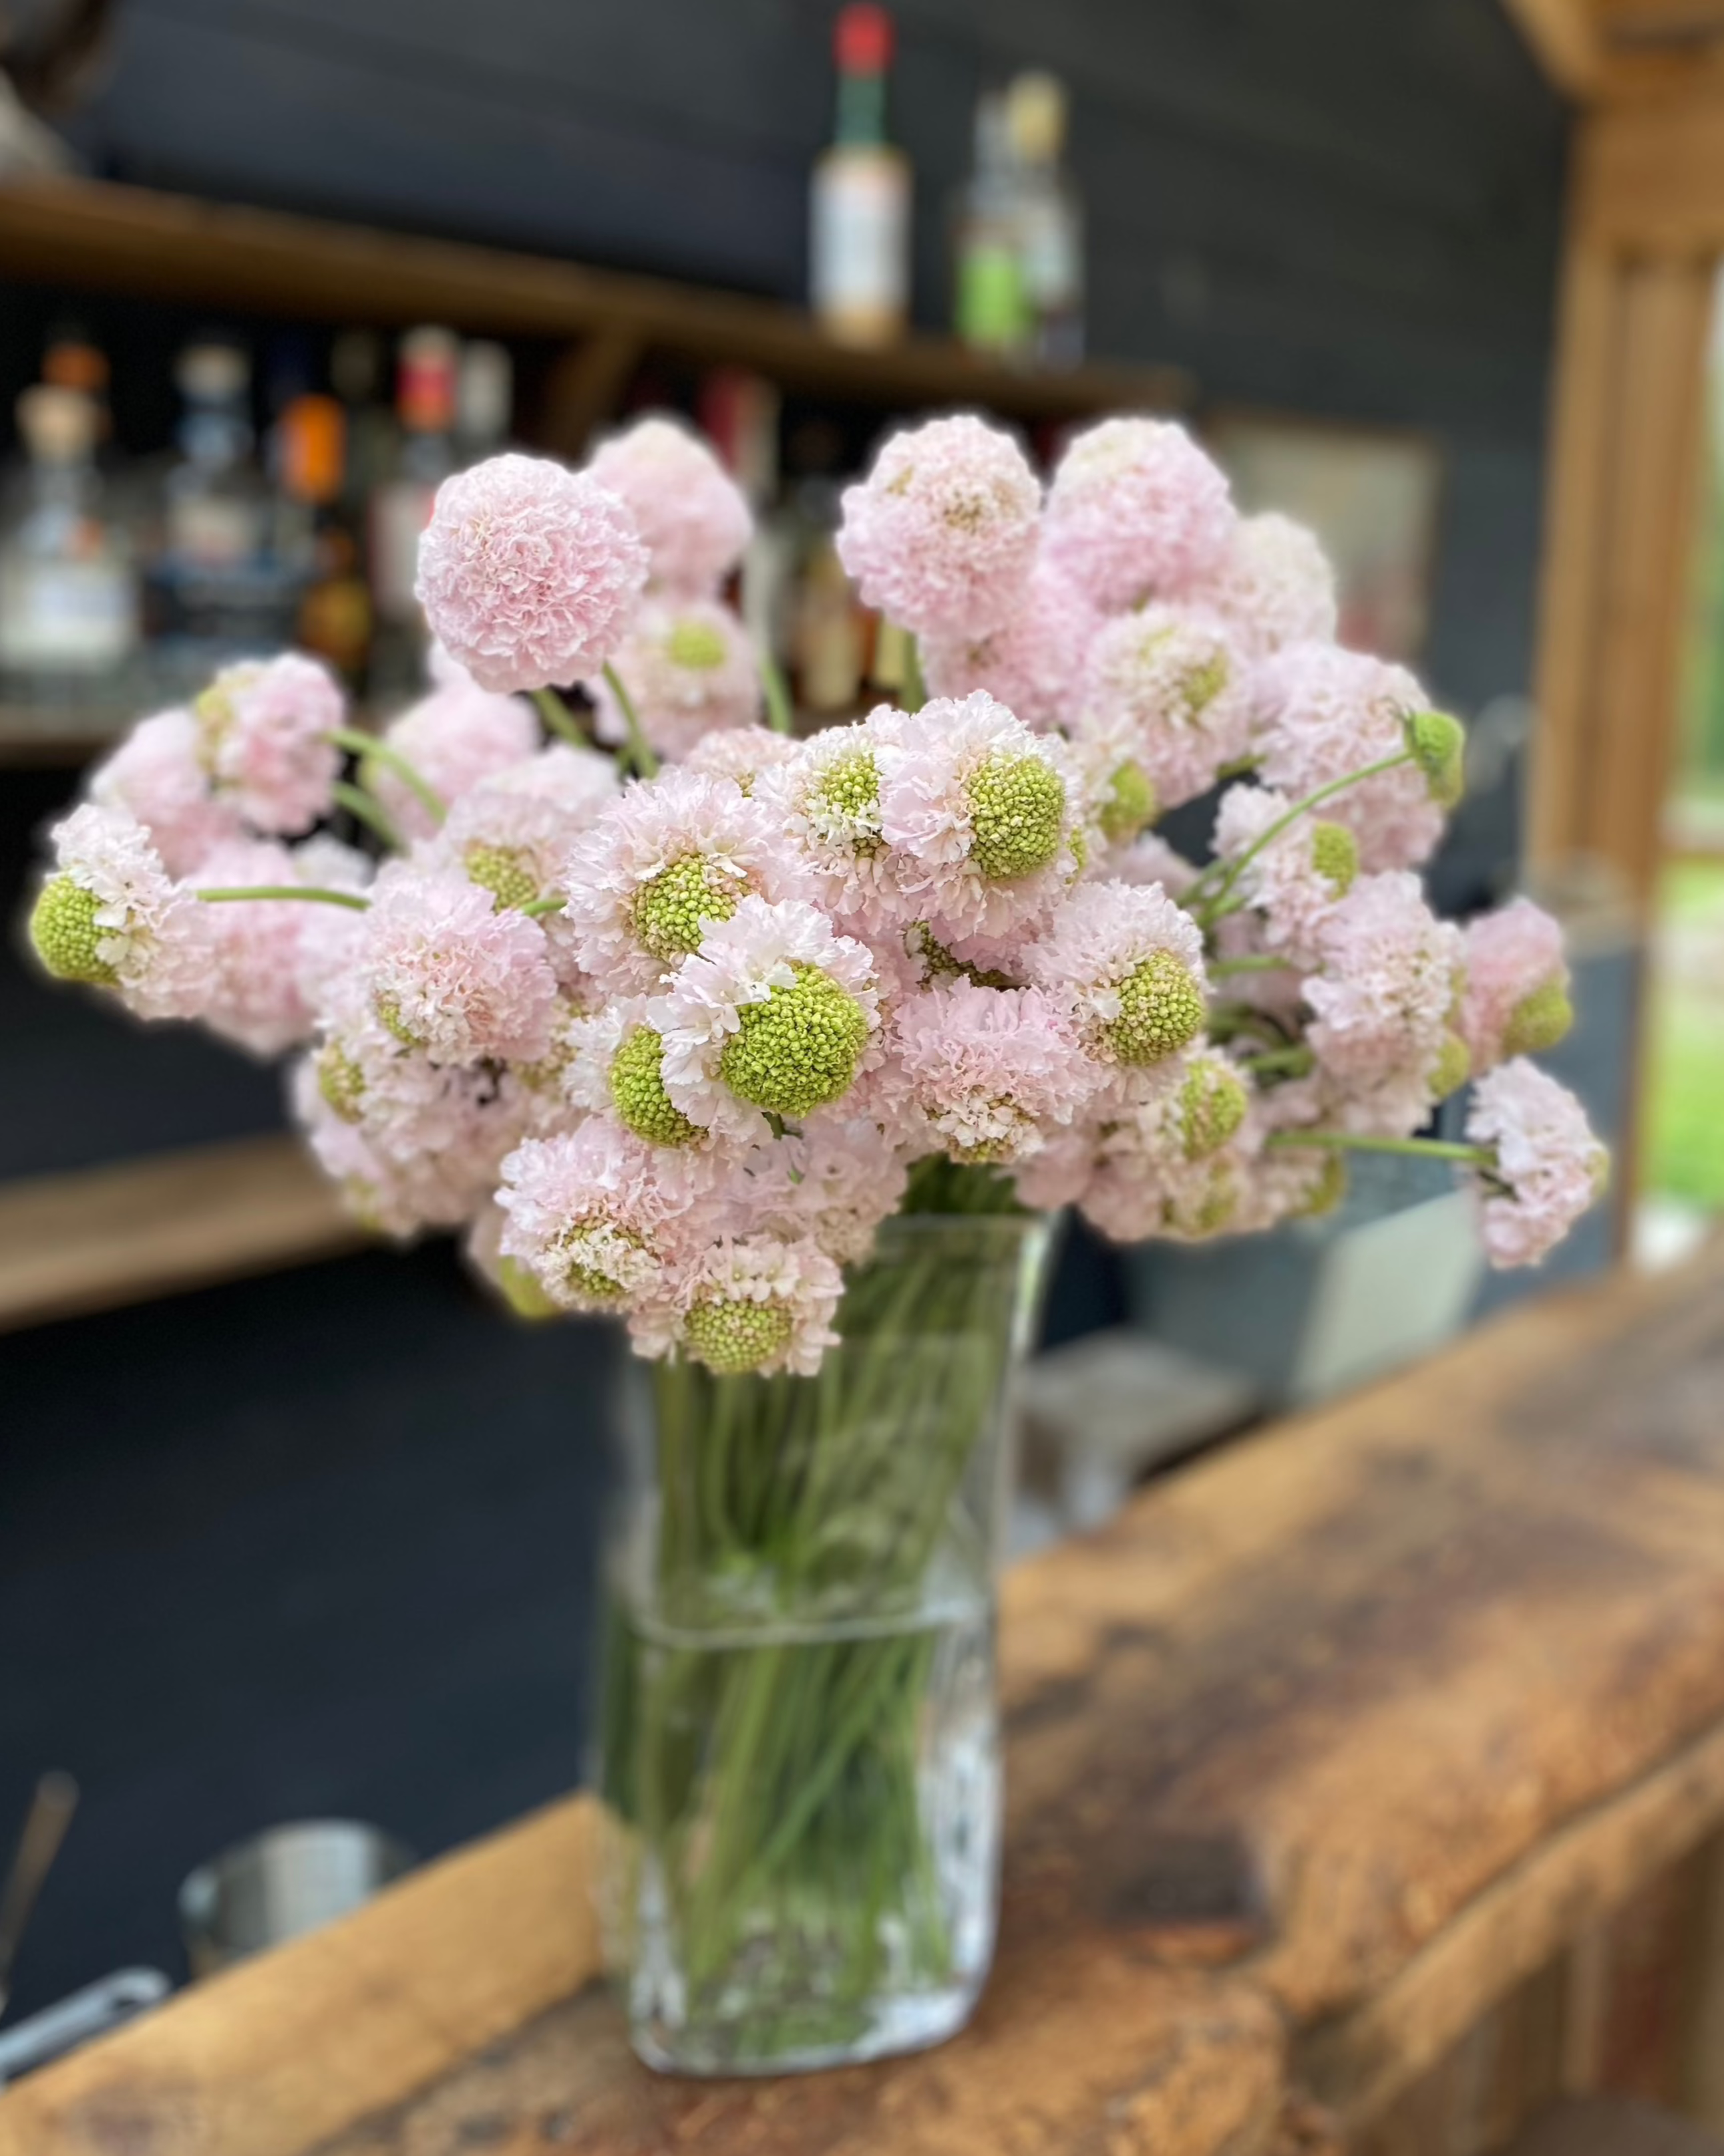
column 1338, row 206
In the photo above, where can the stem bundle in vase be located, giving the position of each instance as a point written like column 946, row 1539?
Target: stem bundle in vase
column 686, row 1020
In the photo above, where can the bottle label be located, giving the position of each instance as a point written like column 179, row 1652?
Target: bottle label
column 992, row 307
column 861, row 230
column 66, row 617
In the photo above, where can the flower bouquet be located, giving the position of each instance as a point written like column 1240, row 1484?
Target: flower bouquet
column 782, row 1051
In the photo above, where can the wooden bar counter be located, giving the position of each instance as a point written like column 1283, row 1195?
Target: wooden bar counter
column 1325, row 1752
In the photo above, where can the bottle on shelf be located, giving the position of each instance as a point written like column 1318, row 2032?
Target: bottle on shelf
column 859, row 233
column 484, row 400
column 68, row 601
column 1050, row 219
column 216, row 588
column 356, row 374
column 426, row 378
column 991, row 309
column 335, row 612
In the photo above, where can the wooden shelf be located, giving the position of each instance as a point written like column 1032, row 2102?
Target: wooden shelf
column 90, row 233
column 107, row 1236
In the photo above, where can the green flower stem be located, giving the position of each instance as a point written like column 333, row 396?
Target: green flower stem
column 1294, row 1062
column 370, row 748
column 915, row 687
column 535, row 907
column 1207, row 910
column 640, row 749
column 1473, row 1155
column 779, row 715
column 309, row 891
column 360, row 802
column 1221, row 969
column 558, row 718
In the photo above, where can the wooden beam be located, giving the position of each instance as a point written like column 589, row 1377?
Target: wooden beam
column 103, row 1236
column 1564, row 34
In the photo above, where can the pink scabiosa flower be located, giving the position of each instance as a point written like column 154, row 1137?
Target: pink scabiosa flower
column 749, row 1303
column 1548, row 1167
column 156, row 776
column 990, row 1067
column 1136, row 511
column 252, row 990
column 330, row 937
column 1385, row 1001
column 942, row 533
column 454, row 737
column 1124, row 965
column 772, row 1016
column 979, row 812
column 690, row 671
column 1170, row 673
column 530, row 575
column 1170, row 1163
column 1152, row 860
column 263, row 728
column 825, row 799
column 1516, row 999
column 111, row 916
column 1032, row 662
column 742, row 754
column 692, row 517
column 510, row 834
column 1295, row 880
column 451, row 977
column 662, row 865
column 1273, row 587
column 836, row 1180
column 1120, row 799
column 598, row 1218
column 400, row 1192
column 1321, row 714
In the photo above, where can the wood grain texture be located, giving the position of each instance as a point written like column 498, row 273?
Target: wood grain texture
column 104, row 1236
column 1342, row 1732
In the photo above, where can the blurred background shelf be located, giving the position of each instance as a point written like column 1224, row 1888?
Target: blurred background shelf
column 93, row 234
column 108, row 1236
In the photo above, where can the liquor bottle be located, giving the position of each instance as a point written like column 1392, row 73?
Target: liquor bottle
column 426, row 376
column 484, row 400
column 1050, row 219
column 372, row 438
column 991, row 308
column 69, row 602
column 859, row 237
column 334, row 619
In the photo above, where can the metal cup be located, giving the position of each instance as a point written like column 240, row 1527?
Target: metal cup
column 285, row 1881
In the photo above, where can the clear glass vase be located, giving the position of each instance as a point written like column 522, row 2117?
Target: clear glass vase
column 798, row 1739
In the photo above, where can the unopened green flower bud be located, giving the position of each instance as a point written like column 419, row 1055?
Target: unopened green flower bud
column 502, row 870
column 638, row 1090
column 798, row 1047
column 1539, row 1021
column 1335, row 855
column 1437, row 744
column 1016, row 816
column 695, row 644
column 1130, row 804
column 66, row 935
column 521, row 1290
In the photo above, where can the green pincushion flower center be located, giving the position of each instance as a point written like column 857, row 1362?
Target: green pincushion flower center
column 695, row 644
column 1017, row 807
column 1335, row 855
column 1129, row 805
column 1438, row 746
column 638, row 1091
column 672, row 909
column 848, row 791
column 1453, row 1067
column 1328, row 1188
column 733, row 1336
column 589, row 1249
column 387, row 1008
column 943, row 965
column 1204, row 683
column 213, row 711
column 1161, row 1009
column 1212, row 1107
column 66, row 934
column 341, row 1081
column 1539, row 1021
column 504, row 871
column 798, row 1047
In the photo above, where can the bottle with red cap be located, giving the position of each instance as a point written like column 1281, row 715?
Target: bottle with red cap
column 859, row 237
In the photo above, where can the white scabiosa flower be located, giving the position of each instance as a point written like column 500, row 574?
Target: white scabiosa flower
column 1275, row 587
column 749, row 1304
column 991, row 1069
column 690, row 670
column 826, row 801
column 1296, row 880
column 771, row 1016
column 1172, row 675
column 450, row 975
column 1125, row 965
column 111, row 916
column 1548, row 1168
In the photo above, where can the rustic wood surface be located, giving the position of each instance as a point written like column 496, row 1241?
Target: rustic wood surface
column 103, row 1236
column 1314, row 1753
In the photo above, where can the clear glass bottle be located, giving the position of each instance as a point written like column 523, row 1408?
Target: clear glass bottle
column 990, row 303
column 799, row 1742
column 484, row 400
column 1049, row 217
column 68, row 599
column 860, row 235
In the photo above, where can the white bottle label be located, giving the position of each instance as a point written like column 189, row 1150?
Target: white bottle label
column 861, row 230
column 66, row 617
